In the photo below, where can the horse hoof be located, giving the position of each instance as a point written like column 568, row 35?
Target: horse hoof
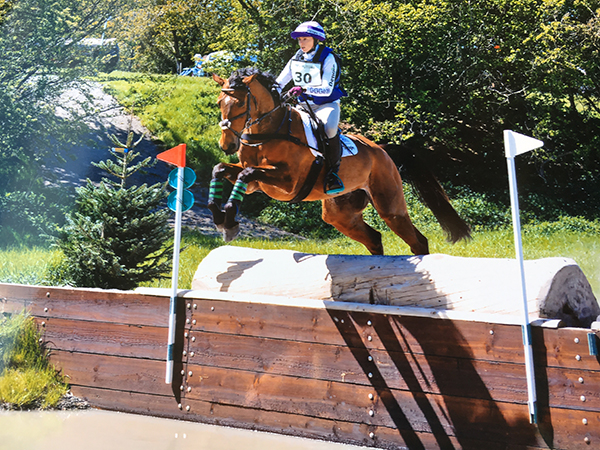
column 229, row 234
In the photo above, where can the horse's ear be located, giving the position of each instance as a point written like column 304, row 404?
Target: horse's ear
column 218, row 79
column 249, row 79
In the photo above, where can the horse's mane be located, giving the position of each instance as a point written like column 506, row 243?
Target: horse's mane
column 268, row 80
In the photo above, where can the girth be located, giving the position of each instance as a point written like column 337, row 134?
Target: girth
column 310, row 181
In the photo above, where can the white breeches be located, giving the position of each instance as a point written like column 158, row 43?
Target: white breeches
column 329, row 114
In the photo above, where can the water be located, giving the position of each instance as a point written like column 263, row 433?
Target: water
column 104, row 430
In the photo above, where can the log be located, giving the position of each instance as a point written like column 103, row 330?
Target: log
column 556, row 287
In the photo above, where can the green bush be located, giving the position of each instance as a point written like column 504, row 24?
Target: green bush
column 480, row 210
column 27, row 218
column 301, row 218
column 27, row 379
column 565, row 224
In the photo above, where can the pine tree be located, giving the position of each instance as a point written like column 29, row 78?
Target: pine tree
column 117, row 237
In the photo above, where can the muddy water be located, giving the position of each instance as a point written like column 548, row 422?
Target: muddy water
column 104, row 430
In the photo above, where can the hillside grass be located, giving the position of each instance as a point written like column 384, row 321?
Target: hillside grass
column 176, row 110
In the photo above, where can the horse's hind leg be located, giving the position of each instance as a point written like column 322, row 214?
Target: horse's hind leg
column 388, row 199
column 345, row 214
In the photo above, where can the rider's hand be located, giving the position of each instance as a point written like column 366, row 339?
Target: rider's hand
column 296, row 91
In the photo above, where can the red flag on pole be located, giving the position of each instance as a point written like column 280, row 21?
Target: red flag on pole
column 175, row 156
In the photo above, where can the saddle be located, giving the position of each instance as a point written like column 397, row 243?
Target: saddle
column 315, row 137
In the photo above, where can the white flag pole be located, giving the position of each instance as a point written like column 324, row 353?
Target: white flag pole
column 516, row 144
column 175, row 276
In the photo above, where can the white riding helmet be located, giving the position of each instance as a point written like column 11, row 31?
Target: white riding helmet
column 310, row 29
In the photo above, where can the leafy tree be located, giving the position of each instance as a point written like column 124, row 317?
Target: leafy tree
column 41, row 57
column 567, row 89
column 5, row 7
column 28, row 218
column 117, row 236
column 159, row 36
column 448, row 77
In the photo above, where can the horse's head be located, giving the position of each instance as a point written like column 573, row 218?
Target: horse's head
column 235, row 111
column 246, row 97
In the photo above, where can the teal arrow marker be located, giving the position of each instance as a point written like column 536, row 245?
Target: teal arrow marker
column 189, row 177
column 187, row 203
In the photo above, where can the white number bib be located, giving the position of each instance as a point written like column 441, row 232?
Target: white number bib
column 306, row 73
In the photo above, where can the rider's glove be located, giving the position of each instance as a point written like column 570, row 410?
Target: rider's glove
column 296, row 91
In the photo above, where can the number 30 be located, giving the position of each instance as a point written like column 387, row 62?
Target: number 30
column 302, row 78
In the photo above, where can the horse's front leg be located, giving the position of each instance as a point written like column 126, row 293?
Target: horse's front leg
column 231, row 227
column 215, row 194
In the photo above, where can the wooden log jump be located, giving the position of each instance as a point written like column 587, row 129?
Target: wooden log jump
column 556, row 287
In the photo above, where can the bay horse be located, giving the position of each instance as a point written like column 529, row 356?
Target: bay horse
column 274, row 157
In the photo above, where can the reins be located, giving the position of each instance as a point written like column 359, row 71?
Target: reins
column 225, row 124
column 266, row 137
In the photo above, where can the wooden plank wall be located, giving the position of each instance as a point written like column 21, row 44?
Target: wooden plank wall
column 369, row 379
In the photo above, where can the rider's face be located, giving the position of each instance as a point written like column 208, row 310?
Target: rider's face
column 306, row 43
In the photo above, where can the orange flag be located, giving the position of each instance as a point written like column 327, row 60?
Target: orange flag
column 175, row 156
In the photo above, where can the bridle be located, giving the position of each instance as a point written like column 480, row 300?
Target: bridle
column 225, row 124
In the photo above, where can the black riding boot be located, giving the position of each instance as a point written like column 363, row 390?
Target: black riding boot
column 333, row 155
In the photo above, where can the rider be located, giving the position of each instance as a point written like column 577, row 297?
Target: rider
column 315, row 72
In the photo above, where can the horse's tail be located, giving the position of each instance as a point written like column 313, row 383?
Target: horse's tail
column 430, row 192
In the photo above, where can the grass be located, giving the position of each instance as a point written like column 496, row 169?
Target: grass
column 27, row 379
column 26, row 265
column 31, row 388
column 175, row 110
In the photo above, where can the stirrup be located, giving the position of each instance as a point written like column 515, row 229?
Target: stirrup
column 336, row 184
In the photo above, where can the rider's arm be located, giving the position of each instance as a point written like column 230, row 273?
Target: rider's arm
column 328, row 80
